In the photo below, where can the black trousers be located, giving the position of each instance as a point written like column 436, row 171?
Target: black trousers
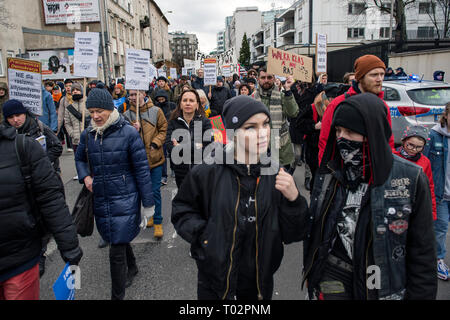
column 121, row 258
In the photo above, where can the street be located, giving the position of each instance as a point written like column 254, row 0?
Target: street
column 166, row 271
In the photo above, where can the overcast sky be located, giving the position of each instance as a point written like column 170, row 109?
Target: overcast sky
column 207, row 17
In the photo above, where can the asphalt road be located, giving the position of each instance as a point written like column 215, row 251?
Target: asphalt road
column 166, row 271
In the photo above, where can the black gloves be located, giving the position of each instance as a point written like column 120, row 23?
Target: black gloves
column 72, row 256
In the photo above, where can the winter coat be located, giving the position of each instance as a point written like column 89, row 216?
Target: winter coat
column 304, row 102
column 328, row 117
column 181, row 169
column 49, row 116
column 32, row 128
column 199, row 83
column 121, row 179
column 156, row 90
column 395, row 224
column 424, row 162
column 153, row 131
column 307, row 121
column 20, row 238
column 218, row 97
column 3, row 99
column 167, row 107
column 72, row 124
column 207, row 213
column 63, row 103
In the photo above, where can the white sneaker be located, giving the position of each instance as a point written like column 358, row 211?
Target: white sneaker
column 69, row 150
column 75, row 178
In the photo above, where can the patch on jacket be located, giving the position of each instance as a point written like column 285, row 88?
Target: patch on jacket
column 398, row 226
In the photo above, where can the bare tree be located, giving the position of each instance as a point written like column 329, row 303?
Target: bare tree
column 442, row 18
column 4, row 16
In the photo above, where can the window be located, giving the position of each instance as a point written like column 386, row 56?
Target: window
column 2, row 74
column 425, row 32
column 430, row 96
column 391, row 94
column 356, row 8
column 300, row 13
column 10, row 54
column 426, row 7
column 300, row 37
column 384, row 32
column 355, row 33
column 113, row 27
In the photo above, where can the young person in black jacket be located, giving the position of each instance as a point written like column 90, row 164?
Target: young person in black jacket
column 371, row 234
column 237, row 216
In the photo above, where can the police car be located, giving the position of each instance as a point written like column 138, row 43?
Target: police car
column 414, row 102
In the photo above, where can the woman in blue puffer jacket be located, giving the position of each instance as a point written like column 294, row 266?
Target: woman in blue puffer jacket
column 119, row 176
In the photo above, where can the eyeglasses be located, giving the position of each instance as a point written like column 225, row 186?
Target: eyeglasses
column 411, row 147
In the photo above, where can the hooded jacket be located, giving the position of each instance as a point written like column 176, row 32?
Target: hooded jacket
column 3, row 99
column 167, row 107
column 395, row 226
column 49, row 116
column 32, row 128
column 121, row 178
column 20, row 238
column 218, row 97
column 328, row 117
column 221, row 243
column 153, row 131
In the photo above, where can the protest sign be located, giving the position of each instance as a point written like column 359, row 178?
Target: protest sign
column 86, row 54
column 173, row 73
column 56, row 64
column 321, row 53
column 64, row 288
column 153, row 73
column 137, row 69
column 220, row 134
column 62, row 12
column 227, row 58
column 184, row 71
column 210, row 69
column 285, row 64
column 25, row 83
column 226, row 71
column 162, row 73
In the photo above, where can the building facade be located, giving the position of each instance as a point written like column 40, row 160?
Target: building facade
column 183, row 46
column 28, row 31
column 245, row 20
column 221, row 42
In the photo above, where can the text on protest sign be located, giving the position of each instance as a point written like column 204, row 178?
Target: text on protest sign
column 285, row 64
column 184, row 71
column 227, row 58
column 86, row 54
column 321, row 53
column 153, row 72
column 162, row 73
column 137, row 69
column 220, row 134
column 25, row 83
column 210, row 72
column 173, row 73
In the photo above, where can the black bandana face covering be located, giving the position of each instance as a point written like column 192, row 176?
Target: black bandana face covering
column 352, row 154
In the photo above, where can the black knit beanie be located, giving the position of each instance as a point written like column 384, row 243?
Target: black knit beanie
column 239, row 109
column 348, row 116
column 100, row 98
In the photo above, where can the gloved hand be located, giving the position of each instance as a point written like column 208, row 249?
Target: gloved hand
column 146, row 214
column 72, row 256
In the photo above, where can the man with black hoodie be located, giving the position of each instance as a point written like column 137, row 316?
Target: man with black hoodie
column 219, row 94
column 371, row 234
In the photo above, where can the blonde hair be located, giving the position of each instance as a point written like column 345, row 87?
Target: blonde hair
column 202, row 94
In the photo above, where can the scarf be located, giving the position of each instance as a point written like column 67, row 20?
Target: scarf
column 275, row 109
column 113, row 118
column 355, row 161
column 407, row 156
column 57, row 96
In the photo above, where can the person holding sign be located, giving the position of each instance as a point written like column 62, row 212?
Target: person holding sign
column 152, row 126
column 281, row 106
column 114, row 166
column 236, row 216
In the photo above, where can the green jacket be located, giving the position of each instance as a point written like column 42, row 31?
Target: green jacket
column 291, row 110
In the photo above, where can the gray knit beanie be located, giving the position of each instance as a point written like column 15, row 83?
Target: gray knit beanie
column 100, row 98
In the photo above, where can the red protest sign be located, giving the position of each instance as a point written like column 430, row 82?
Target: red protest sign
column 220, row 134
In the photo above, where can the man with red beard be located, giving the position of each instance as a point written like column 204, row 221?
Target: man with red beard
column 369, row 75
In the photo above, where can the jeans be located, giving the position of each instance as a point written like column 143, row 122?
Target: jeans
column 156, row 189
column 164, row 168
column 441, row 227
column 121, row 258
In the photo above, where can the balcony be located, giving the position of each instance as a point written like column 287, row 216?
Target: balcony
column 258, row 43
column 287, row 30
column 288, row 14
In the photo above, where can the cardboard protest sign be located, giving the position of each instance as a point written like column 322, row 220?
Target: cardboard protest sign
column 220, row 134
column 321, row 53
column 86, row 54
column 137, row 69
column 25, row 83
column 210, row 70
column 285, row 64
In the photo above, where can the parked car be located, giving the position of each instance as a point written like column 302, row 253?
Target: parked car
column 413, row 102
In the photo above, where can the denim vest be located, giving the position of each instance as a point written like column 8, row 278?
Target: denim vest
column 391, row 206
column 437, row 151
